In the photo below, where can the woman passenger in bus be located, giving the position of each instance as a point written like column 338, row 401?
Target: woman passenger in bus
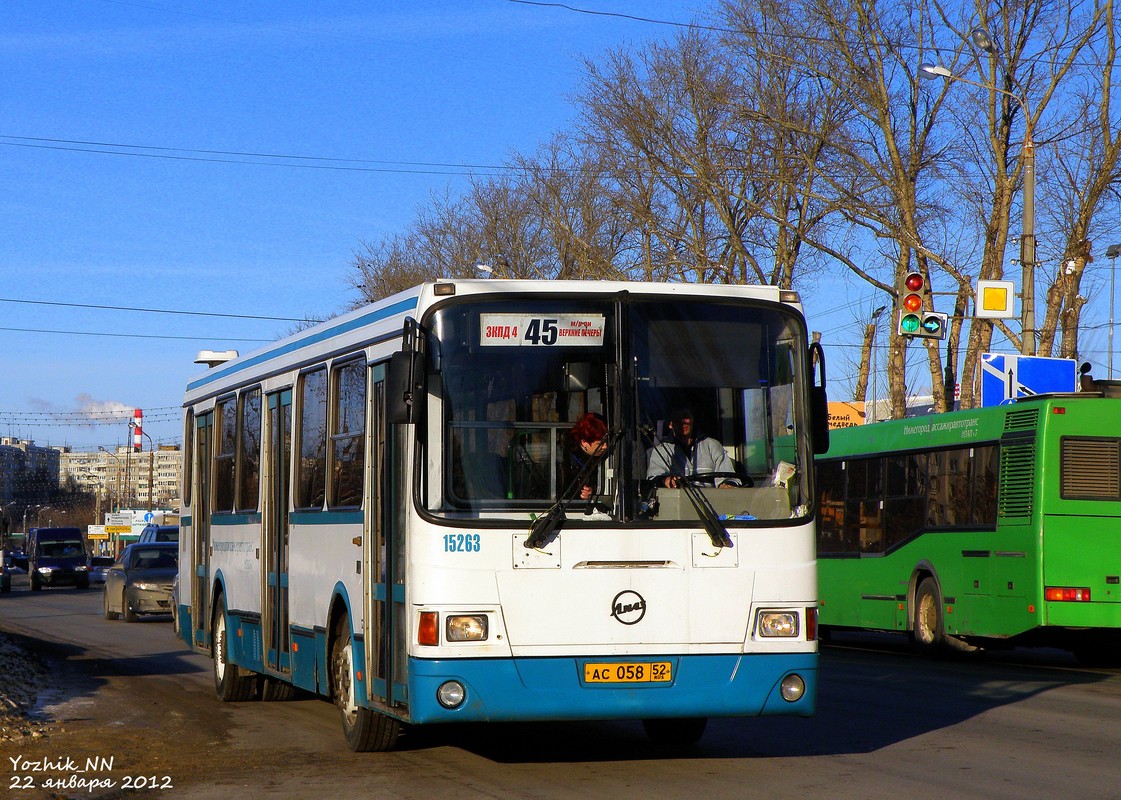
column 586, row 439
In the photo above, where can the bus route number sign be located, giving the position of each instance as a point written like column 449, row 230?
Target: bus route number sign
column 648, row 672
column 529, row 330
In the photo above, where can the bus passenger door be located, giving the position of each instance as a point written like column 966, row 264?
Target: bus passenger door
column 383, row 561
column 278, row 459
column 200, row 592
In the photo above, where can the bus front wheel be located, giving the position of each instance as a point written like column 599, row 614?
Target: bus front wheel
column 928, row 630
column 366, row 730
column 231, row 683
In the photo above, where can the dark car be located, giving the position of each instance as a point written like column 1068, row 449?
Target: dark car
column 139, row 582
column 17, row 562
column 159, row 533
column 57, row 557
column 99, row 567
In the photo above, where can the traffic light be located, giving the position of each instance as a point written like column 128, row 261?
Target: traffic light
column 914, row 320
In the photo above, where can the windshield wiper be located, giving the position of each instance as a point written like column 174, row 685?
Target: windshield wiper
column 546, row 527
column 709, row 518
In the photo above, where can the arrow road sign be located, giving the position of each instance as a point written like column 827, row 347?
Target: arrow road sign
column 1007, row 377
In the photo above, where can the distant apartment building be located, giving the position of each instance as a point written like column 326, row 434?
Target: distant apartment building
column 124, row 478
column 27, row 472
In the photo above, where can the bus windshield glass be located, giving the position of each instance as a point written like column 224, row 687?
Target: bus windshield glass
column 509, row 379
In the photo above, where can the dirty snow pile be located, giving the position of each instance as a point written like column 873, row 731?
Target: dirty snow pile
column 22, row 676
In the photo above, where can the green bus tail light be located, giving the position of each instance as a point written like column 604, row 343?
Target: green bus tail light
column 1067, row 594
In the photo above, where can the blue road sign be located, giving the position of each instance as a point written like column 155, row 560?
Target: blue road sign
column 1007, row 377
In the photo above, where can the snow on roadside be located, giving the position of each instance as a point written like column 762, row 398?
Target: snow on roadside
column 23, row 676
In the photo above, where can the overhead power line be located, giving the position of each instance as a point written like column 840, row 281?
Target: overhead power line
column 153, row 310
column 249, row 158
column 133, row 335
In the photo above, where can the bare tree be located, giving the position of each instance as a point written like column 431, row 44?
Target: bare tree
column 1087, row 167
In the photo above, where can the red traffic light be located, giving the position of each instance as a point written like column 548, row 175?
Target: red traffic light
column 914, row 282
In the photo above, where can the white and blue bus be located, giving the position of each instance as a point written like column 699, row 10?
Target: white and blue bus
column 384, row 509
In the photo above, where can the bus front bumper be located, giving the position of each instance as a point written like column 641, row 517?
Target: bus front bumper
column 526, row 689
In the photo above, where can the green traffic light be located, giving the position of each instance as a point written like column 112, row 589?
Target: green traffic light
column 909, row 323
column 932, row 325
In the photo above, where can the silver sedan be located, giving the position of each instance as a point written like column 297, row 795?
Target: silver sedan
column 139, row 582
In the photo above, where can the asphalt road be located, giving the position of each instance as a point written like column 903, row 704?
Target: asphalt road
column 1026, row 724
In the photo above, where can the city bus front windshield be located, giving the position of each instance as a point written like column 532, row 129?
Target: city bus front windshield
column 690, row 397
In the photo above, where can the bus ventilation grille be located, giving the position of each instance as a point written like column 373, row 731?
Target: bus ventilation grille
column 1021, row 419
column 1017, row 477
column 1090, row 468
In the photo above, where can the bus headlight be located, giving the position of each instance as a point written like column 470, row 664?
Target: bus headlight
column 782, row 624
column 451, row 694
column 467, row 628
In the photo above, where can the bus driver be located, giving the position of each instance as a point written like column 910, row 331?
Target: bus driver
column 687, row 453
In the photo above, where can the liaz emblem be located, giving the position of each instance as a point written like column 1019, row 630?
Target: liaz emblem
column 628, row 607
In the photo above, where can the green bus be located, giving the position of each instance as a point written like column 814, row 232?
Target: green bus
column 995, row 526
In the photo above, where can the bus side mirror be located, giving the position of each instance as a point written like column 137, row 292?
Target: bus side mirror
column 819, row 401
column 404, row 385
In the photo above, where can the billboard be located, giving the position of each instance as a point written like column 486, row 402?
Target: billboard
column 844, row 414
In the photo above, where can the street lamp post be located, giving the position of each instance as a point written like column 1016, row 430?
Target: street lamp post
column 118, row 471
column 875, row 335
column 97, row 509
column 1111, row 253
column 1027, row 162
column 151, row 458
column 130, row 479
column 25, row 510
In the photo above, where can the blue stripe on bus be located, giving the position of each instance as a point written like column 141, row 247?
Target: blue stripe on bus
column 326, row 517
column 525, row 689
column 329, row 332
column 252, row 518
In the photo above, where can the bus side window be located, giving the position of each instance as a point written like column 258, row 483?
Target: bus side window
column 863, row 512
column 985, row 464
column 831, row 488
column 905, row 505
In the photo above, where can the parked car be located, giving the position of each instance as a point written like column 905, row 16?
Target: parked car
column 158, row 533
column 57, row 557
column 139, row 581
column 99, row 567
column 17, row 562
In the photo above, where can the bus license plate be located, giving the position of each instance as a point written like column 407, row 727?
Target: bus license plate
column 646, row 672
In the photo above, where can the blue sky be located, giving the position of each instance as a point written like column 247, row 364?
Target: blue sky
column 231, row 158
column 106, row 198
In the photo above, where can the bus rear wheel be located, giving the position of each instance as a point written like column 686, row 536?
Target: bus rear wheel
column 365, row 729
column 928, row 630
column 231, row 683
